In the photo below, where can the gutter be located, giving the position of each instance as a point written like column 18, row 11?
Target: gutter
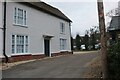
column 4, row 34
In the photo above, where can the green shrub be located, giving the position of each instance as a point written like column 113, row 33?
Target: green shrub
column 114, row 60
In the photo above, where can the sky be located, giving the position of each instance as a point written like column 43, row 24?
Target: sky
column 83, row 13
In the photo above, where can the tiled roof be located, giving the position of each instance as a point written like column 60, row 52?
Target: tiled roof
column 48, row 9
column 115, row 23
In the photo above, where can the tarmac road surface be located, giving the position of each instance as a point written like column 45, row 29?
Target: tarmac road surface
column 68, row 66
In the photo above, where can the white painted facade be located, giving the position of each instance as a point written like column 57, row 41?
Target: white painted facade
column 1, row 31
column 38, row 24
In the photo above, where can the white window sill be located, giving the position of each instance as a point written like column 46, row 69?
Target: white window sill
column 16, row 54
column 25, row 26
column 37, row 53
column 2, row 56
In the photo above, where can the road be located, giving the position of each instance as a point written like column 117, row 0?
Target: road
column 68, row 66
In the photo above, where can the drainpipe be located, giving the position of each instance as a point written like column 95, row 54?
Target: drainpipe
column 70, row 37
column 4, row 33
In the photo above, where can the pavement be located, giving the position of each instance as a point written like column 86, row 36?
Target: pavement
column 83, row 52
column 68, row 66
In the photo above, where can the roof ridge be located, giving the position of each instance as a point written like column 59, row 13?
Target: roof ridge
column 50, row 9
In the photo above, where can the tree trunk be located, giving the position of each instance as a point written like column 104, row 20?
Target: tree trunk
column 103, row 39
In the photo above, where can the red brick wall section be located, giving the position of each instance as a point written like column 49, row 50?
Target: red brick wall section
column 20, row 58
column 38, row 56
column 61, row 53
column 16, row 58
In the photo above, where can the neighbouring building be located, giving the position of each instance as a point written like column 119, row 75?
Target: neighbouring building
column 34, row 30
column 114, row 28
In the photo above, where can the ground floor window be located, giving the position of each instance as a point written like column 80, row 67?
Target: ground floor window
column 19, row 44
column 63, row 44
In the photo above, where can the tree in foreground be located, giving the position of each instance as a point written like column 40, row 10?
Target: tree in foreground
column 103, row 38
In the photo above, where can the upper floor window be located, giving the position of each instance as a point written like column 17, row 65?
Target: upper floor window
column 62, row 27
column 20, row 17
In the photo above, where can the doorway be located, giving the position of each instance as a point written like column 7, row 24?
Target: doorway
column 47, row 47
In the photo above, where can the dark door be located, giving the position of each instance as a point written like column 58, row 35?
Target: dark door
column 47, row 47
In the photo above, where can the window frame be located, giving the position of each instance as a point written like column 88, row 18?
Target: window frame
column 62, row 28
column 18, row 42
column 16, row 16
column 63, row 44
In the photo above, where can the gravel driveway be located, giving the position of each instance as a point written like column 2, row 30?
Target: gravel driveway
column 68, row 66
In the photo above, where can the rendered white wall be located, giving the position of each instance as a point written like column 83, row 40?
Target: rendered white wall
column 39, row 24
column 1, row 31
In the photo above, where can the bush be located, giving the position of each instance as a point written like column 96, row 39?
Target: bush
column 114, row 60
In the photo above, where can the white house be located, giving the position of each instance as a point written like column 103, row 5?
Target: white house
column 34, row 30
column 1, row 31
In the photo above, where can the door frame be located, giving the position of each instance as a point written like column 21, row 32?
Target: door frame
column 49, row 47
column 48, row 37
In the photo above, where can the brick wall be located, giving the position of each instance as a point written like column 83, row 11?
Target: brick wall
column 61, row 53
column 16, row 58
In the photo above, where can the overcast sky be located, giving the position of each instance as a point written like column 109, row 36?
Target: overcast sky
column 83, row 13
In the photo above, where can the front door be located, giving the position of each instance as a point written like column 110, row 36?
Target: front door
column 47, row 47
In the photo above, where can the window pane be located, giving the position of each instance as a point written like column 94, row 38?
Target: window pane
column 13, row 44
column 26, row 49
column 13, row 49
column 25, row 17
column 26, row 46
column 20, row 16
column 26, row 39
column 15, row 15
column 21, row 44
column 22, row 48
column 22, row 40
column 63, row 44
column 62, row 27
column 13, row 39
column 17, row 44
